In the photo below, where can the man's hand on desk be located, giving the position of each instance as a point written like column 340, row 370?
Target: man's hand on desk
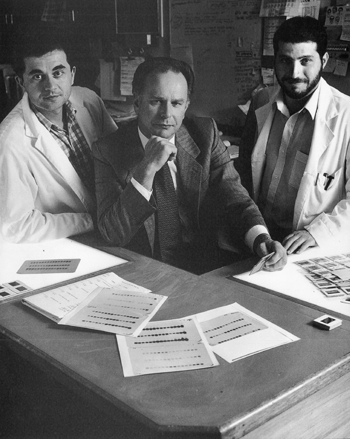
column 298, row 241
column 279, row 258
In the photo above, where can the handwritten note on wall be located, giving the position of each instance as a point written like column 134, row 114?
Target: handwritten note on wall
column 226, row 42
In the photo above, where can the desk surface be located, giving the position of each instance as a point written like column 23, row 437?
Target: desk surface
column 227, row 401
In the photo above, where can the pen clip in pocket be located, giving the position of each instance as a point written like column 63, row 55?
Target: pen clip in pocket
column 327, row 182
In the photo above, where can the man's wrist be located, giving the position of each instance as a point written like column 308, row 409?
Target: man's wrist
column 141, row 189
column 253, row 233
column 263, row 237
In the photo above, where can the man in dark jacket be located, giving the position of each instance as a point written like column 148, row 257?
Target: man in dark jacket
column 164, row 182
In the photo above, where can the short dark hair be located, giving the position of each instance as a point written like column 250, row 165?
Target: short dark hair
column 161, row 65
column 36, row 41
column 300, row 30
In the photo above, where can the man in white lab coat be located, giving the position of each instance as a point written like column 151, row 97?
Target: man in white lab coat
column 46, row 178
column 294, row 154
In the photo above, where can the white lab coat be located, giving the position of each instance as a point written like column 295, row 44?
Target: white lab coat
column 324, row 213
column 41, row 195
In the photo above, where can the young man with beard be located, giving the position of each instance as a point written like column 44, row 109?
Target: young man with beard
column 294, row 154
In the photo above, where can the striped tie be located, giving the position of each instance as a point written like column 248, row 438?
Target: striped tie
column 167, row 216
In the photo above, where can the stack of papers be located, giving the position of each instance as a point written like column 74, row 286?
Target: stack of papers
column 330, row 274
column 114, row 310
column 166, row 346
column 231, row 331
column 234, row 332
column 58, row 302
column 111, row 304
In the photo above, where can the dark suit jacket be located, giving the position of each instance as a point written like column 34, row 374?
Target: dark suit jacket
column 209, row 187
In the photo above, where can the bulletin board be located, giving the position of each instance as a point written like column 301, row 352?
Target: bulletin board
column 337, row 72
column 222, row 41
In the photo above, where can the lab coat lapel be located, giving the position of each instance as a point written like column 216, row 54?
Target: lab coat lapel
column 47, row 145
column 325, row 120
column 264, row 118
column 86, row 124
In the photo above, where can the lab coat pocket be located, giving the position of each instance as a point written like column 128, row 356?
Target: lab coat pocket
column 298, row 169
column 329, row 190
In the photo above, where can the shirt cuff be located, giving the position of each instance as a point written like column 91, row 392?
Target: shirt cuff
column 143, row 191
column 253, row 233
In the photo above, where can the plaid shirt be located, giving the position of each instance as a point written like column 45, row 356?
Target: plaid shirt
column 73, row 144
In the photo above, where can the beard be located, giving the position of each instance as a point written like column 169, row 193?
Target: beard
column 286, row 82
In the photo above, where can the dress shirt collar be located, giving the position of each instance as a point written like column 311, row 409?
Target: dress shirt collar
column 311, row 105
column 144, row 139
column 67, row 108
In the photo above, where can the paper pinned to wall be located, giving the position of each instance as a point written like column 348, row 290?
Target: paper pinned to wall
column 268, row 76
column 225, row 40
column 270, row 27
column 310, row 8
column 108, row 76
column 346, row 25
column 128, row 67
column 334, row 16
column 341, row 67
column 275, row 8
column 290, row 8
column 183, row 52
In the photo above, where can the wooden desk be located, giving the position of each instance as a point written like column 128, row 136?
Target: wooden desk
column 229, row 401
column 321, row 415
